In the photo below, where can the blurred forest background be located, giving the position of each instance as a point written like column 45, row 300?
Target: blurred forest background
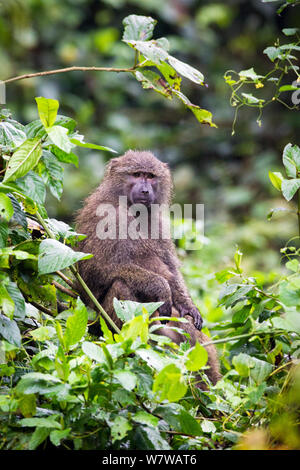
column 229, row 174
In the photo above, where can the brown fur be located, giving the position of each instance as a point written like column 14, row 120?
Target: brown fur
column 143, row 270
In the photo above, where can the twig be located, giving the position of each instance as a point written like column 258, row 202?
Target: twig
column 246, row 335
column 70, row 69
column 66, row 279
column 65, row 290
column 42, row 308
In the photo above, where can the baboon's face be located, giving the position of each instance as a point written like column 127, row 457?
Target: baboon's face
column 142, row 188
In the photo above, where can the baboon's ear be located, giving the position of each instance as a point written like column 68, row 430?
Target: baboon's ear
column 111, row 165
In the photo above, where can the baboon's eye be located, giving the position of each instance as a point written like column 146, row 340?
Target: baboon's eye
column 150, row 176
column 137, row 174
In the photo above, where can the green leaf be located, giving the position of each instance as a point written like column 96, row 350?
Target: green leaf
column 27, row 405
column 290, row 187
column 288, row 88
column 208, row 426
column 126, row 310
column 18, row 299
column 250, row 73
column 289, row 322
column 146, row 438
column 138, row 27
column 64, row 156
column 23, row 160
column 196, row 358
column 293, row 265
column 36, row 382
column 47, row 109
column 152, row 80
column 43, row 333
column 202, row 115
column 291, row 160
column 58, row 435
column 186, row 70
column 150, row 50
column 127, row 379
column 119, row 428
column 252, row 99
column 54, row 256
column 260, row 371
column 272, row 52
column 9, row 330
column 137, row 327
column 7, row 305
column 6, row 207
column 59, row 136
column 87, row 145
column 152, row 358
column 76, row 324
column 33, row 186
column 290, row 31
column 169, row 384
column 145, row 418
column 93, row 351
column 12, row 134
column 243, row 363
column 40, row 422
column 179, row 419
column 39, row 436
column 51, row 172
column 276, row 179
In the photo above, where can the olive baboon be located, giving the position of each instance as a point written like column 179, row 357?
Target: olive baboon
column 142, row 268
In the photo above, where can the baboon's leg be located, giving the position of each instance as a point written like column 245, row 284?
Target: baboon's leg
column 213, row 372
column 121, row 291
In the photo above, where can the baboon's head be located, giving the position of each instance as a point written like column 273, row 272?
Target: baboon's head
column 141, row 177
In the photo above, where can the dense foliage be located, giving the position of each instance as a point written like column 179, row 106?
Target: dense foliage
column 62, row 387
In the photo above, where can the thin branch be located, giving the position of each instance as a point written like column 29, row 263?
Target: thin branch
column 66, row 279
column 65, row 290
column 70, row 69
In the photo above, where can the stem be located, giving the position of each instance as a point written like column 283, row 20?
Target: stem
column 66, row 279
column 80, row 280
column 70, row 69
column 64, row 290
column 234, row 338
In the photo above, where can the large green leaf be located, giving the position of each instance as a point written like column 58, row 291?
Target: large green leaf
column 196, row 358
column 186, row 70
column 24, row 159
column 6, row 207
column 9, row 330
column 54, row 256
column 87, row 145
column 290, row 187
column 169, row 384
column 76, row 325
column 291, row 160
column 12, row 134
column 138, row 27
column 59, row 136
column 93, row 351
column 52, row 173
column 47, row 109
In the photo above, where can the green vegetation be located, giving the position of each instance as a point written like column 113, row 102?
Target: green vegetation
column 132, row 389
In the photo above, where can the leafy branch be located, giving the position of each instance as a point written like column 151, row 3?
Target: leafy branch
column 150, row 54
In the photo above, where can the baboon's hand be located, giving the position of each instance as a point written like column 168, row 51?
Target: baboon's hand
column 193, row 312
column 166, row 309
